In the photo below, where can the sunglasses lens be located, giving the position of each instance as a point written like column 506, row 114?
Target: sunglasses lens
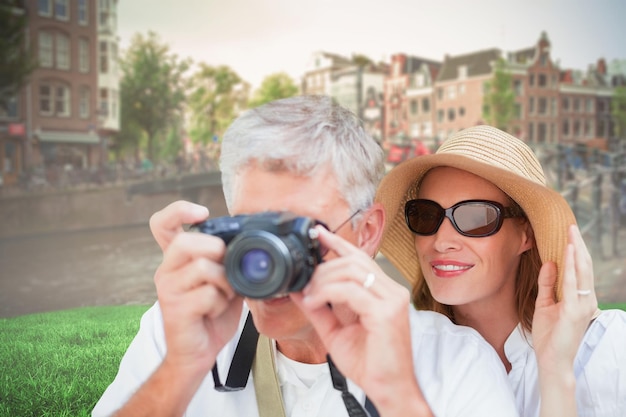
column 476, row 219
column 423, row 217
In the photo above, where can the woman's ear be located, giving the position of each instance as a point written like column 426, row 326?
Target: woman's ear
column 370, row 229
column 527, row 237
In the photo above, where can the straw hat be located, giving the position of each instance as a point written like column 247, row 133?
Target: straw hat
column 497, row 157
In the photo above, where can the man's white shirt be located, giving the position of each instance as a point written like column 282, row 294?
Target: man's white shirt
column 458, row 373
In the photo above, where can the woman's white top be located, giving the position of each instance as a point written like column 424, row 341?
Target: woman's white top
column 599, row 368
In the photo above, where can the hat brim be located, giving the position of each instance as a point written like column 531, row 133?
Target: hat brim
column 548, row 212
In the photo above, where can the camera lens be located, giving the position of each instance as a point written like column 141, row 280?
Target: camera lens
column 259, row 264
column 256, row 265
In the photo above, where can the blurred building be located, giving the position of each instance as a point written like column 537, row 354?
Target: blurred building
column 317, row 78
column 62, row 117
column 459, row 90
column 408, row 102
column 359, row 88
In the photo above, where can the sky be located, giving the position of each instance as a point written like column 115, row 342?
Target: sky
column 257, row 38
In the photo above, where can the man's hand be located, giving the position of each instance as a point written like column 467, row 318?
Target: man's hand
column 367, row 330
column 200, row 311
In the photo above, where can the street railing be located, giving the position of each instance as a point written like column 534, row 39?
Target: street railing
column 594, row 184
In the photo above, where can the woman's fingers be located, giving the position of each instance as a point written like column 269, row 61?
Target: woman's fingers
column 546, row 281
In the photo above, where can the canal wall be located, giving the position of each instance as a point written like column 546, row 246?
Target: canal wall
column 54, row 211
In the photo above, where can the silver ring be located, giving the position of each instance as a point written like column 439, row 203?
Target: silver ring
column 369, row 280
column 583, row 292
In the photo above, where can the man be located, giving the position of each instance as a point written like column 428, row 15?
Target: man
column 309, row 156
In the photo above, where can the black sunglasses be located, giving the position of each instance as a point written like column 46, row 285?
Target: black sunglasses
column 472, row 218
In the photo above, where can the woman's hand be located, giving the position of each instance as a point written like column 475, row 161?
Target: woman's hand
column 559, row 327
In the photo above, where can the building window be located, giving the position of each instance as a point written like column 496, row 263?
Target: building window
column 576, row 105
column 83, row 55
column 462, row 72
column 531, row 132
column 576, row 128
column 588, row 128
column 425, row 105
column 45, row 100
column 83, row 103
column 601, row 128
column 114, row 100
column 451, row 114
column 566, row 127
column 518, row 86
column 45, row 49
column 104, row 13
column 62, row 101
column 61, row 9
column 542, row 80
column 589, row 105
column 541, row 133
column 531, row 80
column 420, row 80
column 452, row 92
column 461, row 111
column 554, row 111
column 44, row 7
column 544, row 59
column 439, row 93
column 413, row 107
column 531, row 105
column 542, row 104
column 518, row 111
column 601, row 106
column 461, row 89
column 565, row 104
column 440, row 116
column 104, row 102
column 54, row 99
column 63, row 51
column 8, row 108
column 83, row 12
column 104, row 58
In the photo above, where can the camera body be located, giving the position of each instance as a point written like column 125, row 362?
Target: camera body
column 267, row 253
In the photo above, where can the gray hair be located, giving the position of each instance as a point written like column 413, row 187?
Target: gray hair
column 304, row 135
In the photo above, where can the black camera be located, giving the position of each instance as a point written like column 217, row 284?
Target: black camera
column 267, row 253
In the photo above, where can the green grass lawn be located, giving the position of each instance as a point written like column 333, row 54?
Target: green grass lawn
column 60, row 363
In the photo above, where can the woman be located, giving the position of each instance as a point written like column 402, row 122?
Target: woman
column 484, row 240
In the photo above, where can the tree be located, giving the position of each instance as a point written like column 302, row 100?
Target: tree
column 618, row 111
column 16, row 62
column 274, row 87
column 214, row 101
column 152, row 89
column 361, row 60
column 499, row 101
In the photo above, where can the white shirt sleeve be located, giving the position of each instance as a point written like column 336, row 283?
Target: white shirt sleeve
column 143, row 356
column 600, row 367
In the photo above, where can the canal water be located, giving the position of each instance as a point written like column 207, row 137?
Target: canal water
column 115, row 266
column 88, row 268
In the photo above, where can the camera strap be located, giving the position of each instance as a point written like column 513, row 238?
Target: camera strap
column 254, row 352
column 242, row 360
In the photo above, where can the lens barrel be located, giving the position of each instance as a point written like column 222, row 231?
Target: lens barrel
column 260, row 264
